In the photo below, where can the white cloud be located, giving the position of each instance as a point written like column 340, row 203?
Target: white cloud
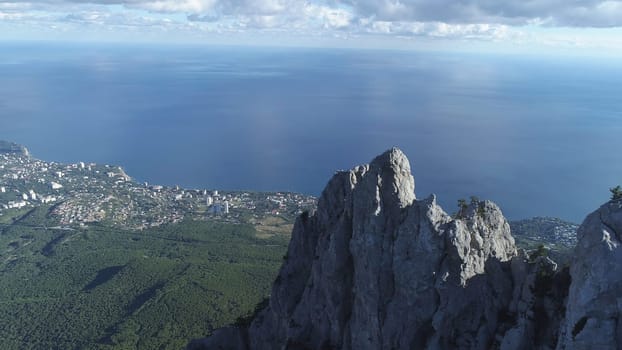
column 478, row 20
column 14, row 6
column 575, row 13
column 169, row 6
column 481, row 31
column 579, row 13
column 328, row 17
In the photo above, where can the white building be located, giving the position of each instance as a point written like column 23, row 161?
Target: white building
column 55, row 185
column 2, row 189
column 32, row 195
column 25, row 196
column 209, row 201
column 226, row 207
column 215, row 193
column 17, row 205
column 48, row 199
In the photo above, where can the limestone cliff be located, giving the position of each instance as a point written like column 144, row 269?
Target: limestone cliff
column 593, row 318
column 375, row 268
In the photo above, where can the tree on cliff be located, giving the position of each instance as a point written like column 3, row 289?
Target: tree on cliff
column 616, row 193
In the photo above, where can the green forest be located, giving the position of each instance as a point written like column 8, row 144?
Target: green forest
column 102, row 288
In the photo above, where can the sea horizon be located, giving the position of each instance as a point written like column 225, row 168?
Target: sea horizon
column 533, row 135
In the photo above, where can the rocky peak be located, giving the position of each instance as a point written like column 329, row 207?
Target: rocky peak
column 395, row 181
column 480, row 232
column 375, row 268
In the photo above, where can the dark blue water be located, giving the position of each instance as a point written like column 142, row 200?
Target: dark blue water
column 538, row 135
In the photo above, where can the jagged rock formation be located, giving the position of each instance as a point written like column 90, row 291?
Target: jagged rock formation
column 375, row 268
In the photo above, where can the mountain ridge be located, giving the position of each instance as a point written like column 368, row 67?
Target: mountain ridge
column 375, row 268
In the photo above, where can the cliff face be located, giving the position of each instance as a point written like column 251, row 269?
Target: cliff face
column 374, row 268
column 594, row 311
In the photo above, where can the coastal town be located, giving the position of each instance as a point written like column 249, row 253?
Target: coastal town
column 83, row 193
column 554, row 233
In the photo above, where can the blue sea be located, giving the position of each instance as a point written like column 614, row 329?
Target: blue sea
column 539, row 135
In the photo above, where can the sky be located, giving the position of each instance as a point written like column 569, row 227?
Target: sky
column 579, row 26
